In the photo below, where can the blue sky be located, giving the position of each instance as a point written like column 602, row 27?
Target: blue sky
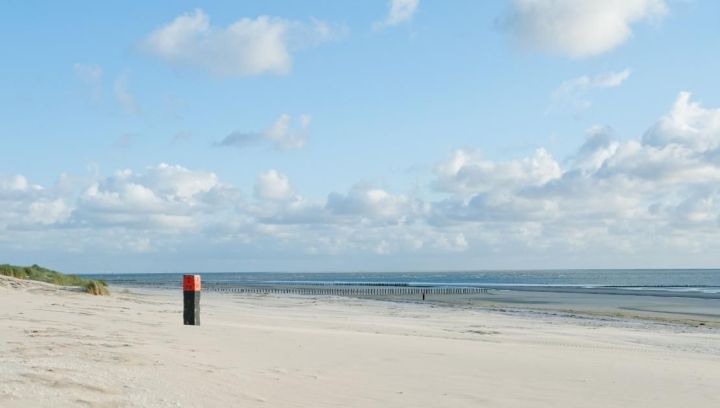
column 378, row 135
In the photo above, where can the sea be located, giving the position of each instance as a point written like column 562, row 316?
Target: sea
column 687, row 281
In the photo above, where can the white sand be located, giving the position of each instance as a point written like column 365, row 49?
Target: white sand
column 61, row 348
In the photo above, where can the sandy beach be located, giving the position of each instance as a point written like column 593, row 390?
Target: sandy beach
column 63, row 348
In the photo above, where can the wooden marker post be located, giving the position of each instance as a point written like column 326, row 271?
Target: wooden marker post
column 191, row 300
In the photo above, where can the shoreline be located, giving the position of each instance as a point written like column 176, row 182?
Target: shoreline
column 64, row 348
column 688, row 311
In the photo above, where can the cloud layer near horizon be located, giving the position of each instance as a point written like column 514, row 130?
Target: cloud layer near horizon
column 656, row 193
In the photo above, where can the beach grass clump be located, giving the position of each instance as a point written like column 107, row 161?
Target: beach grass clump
column 38, row 273
column 96, row 287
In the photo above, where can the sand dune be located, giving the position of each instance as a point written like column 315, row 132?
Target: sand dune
column 63, row 348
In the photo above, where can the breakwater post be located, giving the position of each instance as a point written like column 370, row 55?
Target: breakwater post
column 191, row 300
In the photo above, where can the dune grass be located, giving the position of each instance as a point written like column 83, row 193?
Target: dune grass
column 96, row 287
column 38, row 273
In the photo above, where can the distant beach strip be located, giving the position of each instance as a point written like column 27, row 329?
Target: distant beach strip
column 675, row 296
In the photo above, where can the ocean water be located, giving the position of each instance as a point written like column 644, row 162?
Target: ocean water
column 667, row 280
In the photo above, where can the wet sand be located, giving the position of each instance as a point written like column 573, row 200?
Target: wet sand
column 678, row 308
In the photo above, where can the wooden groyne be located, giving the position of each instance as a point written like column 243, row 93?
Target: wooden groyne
column 346, row 290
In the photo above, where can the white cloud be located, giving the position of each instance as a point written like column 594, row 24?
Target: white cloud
column 245, row 47
column 179, row 182
column 24, row 205
column 15, row 183
column 688, row 124
column 616, row 193
column 273, row 185
column 280, row 134
column 400, row 11
column 373, row 203
column 452, row 243
column 465, row 172
column 48, row 212
column 579, row 28
column 572, row 93
column 165, row 196
column 638, row 202
column 284, row 136
column 363, row 203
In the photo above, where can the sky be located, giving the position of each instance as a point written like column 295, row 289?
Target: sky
column 383, row 135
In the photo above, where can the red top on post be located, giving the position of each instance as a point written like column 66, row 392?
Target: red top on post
column 191, row 283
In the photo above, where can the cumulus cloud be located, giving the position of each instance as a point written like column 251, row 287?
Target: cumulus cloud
column 466, row 172
column 286, row 137
column 24, row 205
column 612, row 203
column 362, row 203
column 578, row 28
column 572, row 94
column 48, row 212
column 372, row 203
column 164, row 196
column 245, row 47
column 689, row 125
column 16, row 183
column 628, row 195
column 399, row 11
column 273, row 185
column 281, row 134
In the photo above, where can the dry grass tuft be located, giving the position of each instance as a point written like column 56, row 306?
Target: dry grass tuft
column 96, row 287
